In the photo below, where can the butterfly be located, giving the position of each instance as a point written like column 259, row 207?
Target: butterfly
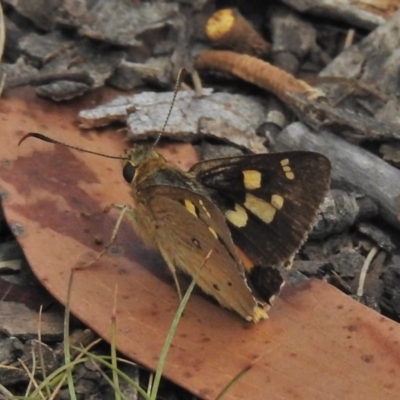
column 246, row 215
column 253, row 212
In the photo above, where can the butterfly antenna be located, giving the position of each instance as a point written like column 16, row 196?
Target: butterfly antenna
column 51, row 140
column 179, row 79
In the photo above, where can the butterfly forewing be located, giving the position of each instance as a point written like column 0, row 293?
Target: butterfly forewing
column 270, row 200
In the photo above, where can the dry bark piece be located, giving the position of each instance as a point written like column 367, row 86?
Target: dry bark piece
column 100, row 64
column 390, row 110
column 122, row 23
column 291, row 34
column 229, row 117
column 363, row 14
column 26, row 325
column 308, row 267
column 69, row 75
column 79, row 63
column 74, row 14
column 128, row 75
column 374, row 61
column 318, row 114
column 62, row 90
column 390, row 302
column 391, row 153
column 21, row 68
column 42, row 48
column 82, row 58
column 156, row 71
column 21, row 294
column 13, row 35
column 41, row 78
column 41, row 12
column 377, row 235
column 209, row 151
column 347, row 263
column 116, row 110
column 10, row 346
column 339, row 211
column 352, row 167
column 33, row 351
column 228, row 29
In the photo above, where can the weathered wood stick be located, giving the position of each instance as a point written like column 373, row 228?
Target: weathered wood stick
column 352, row 167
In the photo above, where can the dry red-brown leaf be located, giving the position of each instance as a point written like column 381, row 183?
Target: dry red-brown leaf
column 317, row 344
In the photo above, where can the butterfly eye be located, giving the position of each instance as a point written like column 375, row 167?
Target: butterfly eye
column 129, row 172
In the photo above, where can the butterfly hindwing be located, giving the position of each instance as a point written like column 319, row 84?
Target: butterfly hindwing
column 188, row 226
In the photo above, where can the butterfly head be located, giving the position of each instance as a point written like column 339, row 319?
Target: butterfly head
column 137, row 157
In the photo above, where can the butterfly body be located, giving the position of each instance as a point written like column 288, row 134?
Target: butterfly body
column 253, row 212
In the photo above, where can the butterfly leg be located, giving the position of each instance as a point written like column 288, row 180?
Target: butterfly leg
column 171, row 265
column 124, row 209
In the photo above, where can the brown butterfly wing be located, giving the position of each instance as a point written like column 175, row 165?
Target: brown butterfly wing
column 274, row 241
column 185, row 239
column 279, row 206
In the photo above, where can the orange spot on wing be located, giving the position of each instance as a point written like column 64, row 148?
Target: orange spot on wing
column 248, row 264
